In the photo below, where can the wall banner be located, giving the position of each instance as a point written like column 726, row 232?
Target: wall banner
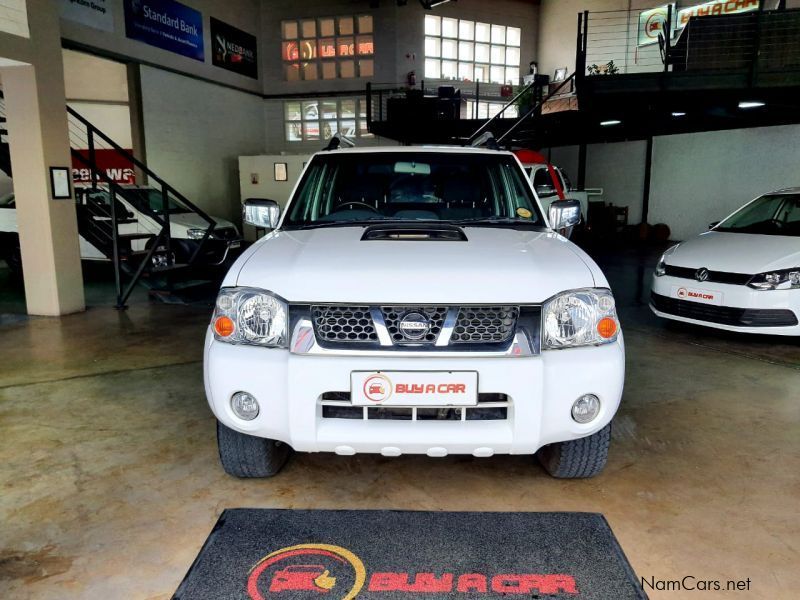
column 717, row 7
column 166, row 24
column 652, row 22
column 98, row 14
column 234, row 49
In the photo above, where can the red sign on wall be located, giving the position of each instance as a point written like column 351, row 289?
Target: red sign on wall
column 116, row 167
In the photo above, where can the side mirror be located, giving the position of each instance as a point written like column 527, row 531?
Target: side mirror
column 565, row 214
column 261, row 213
column 712, row 225
column 544, row 190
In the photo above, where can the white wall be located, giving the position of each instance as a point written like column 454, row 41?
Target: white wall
column 112, row 119
column 89, row 77
column 558, row 30
column 696, row 178
column 194, row 134
column 619, row 169
column 702, row 177
column 263, row 168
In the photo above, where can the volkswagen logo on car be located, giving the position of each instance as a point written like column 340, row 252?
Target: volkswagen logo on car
column 701, row 274
column 414, row 326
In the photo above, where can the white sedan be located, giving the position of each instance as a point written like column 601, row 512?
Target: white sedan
column 742, row 275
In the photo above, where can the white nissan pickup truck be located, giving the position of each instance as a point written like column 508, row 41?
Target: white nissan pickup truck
column 414, row 301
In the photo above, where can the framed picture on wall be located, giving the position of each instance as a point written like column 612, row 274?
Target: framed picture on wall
column 560, row 75
column 60, row 183
column 281, row 172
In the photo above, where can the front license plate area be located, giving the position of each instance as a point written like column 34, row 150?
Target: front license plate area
column 414, row 388
column 712, row 297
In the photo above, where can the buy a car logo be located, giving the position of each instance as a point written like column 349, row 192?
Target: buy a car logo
column 310, row 570
column 332, row 572
column 378, row 388
column 308, row 578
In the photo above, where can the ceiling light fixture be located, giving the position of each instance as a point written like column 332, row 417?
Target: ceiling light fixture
column 678, row 114
column 751, row 104
column 610, row 122
column 430, row 4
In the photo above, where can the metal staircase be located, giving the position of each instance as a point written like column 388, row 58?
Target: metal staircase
column 144, row 258
column 107, row 222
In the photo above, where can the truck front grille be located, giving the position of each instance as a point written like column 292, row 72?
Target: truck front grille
column 464, row 327
column 485, row 324
column 344, row 323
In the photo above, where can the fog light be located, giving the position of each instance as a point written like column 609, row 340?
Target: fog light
column 585, row 408
column 244, row 406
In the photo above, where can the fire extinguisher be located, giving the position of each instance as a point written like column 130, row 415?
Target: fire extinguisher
column 411, row 78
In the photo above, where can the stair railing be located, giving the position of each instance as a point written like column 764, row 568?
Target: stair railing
column 114, row 190
column 508, row 104
column 93, row 133
column 535, row 108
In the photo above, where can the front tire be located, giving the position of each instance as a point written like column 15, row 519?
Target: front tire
column 248, row 456
column 576, row 459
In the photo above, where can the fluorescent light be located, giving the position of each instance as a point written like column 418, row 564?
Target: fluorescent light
column 750, row 104
column 678, row 114
column 610, row 123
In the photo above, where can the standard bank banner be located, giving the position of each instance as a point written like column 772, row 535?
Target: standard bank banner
column 166, row 24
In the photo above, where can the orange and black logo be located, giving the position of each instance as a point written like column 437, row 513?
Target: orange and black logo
column 311, row 568
column 335, row 573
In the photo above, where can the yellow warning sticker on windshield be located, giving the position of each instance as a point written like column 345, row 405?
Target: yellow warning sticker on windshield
column 524, row 213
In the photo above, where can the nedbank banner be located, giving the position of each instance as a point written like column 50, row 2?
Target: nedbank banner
column 233, row 49
column 165, row 24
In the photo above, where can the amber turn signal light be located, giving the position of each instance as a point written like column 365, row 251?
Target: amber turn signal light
column 224, row 326
column 607, row 327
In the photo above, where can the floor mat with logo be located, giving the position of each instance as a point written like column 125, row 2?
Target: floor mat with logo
column 255, row 554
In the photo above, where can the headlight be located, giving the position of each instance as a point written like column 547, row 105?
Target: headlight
column 776, row 280
column 195, row 234
column 661, row 267
column 250, row 316
column 579, row 318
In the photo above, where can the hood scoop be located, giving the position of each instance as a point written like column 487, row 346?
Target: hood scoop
column 414, row 233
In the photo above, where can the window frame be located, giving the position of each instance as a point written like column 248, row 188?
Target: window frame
column 467, row 36
column 361, row 30
column 357, row 118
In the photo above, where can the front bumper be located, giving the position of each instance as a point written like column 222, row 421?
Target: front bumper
column 541, row 390
column 734, row 308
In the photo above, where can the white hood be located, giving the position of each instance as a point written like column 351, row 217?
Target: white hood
column 193, row 220
column 495, row 265
column 738, row 252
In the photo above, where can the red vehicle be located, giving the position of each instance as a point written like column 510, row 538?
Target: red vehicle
column 302, row 578
column 376, row 388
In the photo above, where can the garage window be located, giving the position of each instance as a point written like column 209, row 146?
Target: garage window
column 311, row 120
column 327, row 48
column 487, row 110
column 471, row 51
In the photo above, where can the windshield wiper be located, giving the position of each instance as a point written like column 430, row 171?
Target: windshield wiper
column 322, row 224
column 494, row 221
column 367, row 222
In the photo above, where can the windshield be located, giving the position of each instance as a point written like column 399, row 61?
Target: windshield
column 149, row 199
column 346, row 189
column 774, row 214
